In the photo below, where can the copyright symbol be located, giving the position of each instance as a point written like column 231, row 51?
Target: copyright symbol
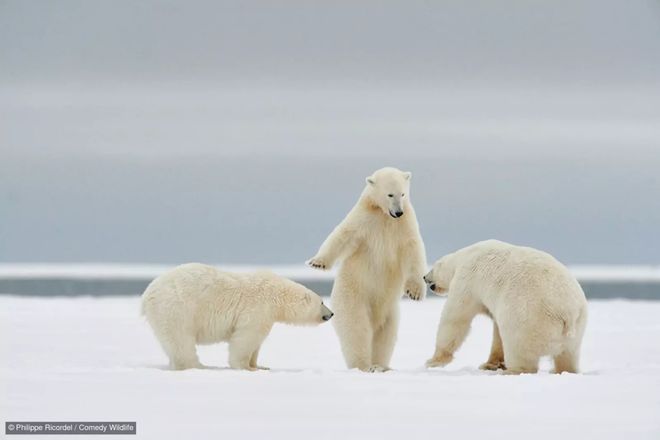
column 10, row 427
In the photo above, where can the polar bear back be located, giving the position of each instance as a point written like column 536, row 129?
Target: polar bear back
column 204, row 301
column 512, row 279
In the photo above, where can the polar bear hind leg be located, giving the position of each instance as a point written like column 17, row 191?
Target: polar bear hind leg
column 355, row 337
column 383, row 343
column 567, row 361
column 520, row 362
column 520, row 356
column 181, row 350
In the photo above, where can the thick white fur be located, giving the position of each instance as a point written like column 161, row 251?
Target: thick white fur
column 199, row 304
column 381, row 258
column 537, row 306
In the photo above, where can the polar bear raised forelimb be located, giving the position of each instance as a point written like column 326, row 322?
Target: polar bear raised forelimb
column 342, row 241
column 414, row 258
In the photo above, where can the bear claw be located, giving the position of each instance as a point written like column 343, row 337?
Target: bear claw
column 378, row 369
column 440, row 361
column 492, row 366
column 415, row 296
column 414, row 290
column 317, row 264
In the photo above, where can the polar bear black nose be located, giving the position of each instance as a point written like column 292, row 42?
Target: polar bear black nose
column 432, row 286
column 327, row 317
column 398, row 214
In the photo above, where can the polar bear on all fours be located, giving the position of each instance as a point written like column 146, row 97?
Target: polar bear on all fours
column 199, row 304
column 537, row 306
column 382, row 257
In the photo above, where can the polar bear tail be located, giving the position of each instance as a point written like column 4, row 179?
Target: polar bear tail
column 143, row 303
column 146, row 297
column 569, row 328
column 571, row 325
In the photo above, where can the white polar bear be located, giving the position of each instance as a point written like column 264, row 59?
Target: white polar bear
column 537, row 306
column 382, row 256
column 199, row 304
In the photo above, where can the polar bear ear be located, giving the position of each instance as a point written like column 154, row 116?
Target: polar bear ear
column 370, row 181
column 407, row 175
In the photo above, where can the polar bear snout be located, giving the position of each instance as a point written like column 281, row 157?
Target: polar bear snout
column 428, row 279
column 326, row 313
column 395, row 207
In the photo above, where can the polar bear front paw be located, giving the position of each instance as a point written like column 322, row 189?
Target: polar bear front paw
column 318, row 263
column 259, row 367
column 378, row 369
column 415, row 289
column 439, row 360
column 492, row 366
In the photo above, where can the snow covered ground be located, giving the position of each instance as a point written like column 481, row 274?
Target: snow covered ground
column 95, row 359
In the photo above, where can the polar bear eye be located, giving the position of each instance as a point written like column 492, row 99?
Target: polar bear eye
column 390, row 195
column 403, row 195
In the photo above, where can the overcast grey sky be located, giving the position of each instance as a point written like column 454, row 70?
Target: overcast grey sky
column 422, row 41
column 241, row 132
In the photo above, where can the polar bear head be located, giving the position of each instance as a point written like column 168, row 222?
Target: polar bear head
column 388, row 189
column 301, row 306
column 439, row 277
column 308, row 309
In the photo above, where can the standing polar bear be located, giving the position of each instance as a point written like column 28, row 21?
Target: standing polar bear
column 537, row 306
column 199, row 304
column 382, row 255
